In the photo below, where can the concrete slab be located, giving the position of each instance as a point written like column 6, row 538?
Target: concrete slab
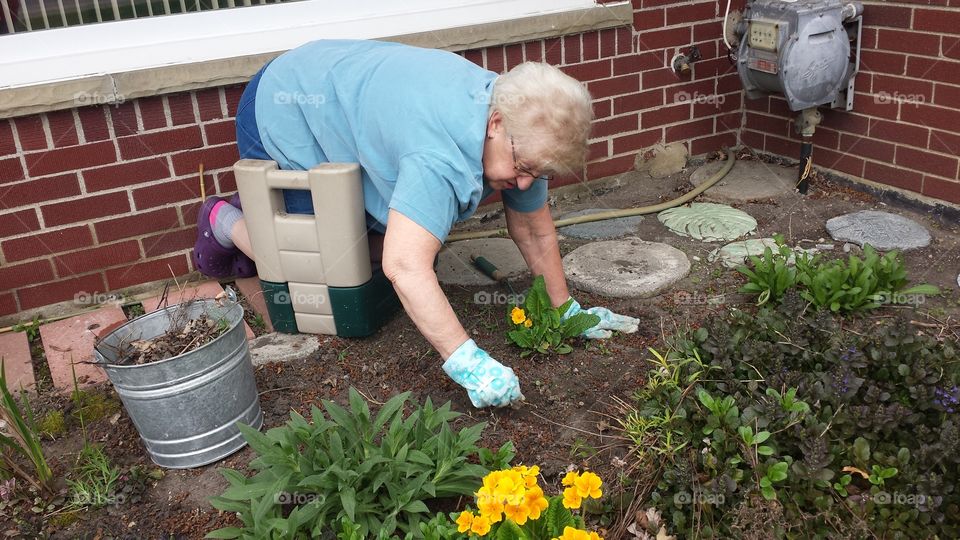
column 70, row 343
column 18, row 367
column 205, row 289
column 660, row 161
column 747, row 181
column 283, row 348
column 600, row 230
column 626, row 268
column 455, row 268
column 882, row 230
column 250, row 289
column 734, row 254
column 709, row 222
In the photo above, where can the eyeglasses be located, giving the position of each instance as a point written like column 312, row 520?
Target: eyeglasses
column 524, row 170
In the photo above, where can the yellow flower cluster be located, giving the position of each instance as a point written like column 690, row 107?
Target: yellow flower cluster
column 580, row 486
column 518, row 316
column 511, row 493
column 569, row 533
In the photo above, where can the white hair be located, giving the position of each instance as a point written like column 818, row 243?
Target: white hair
column 548, row 113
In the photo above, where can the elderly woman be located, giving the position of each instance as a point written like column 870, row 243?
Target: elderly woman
column 434, row 134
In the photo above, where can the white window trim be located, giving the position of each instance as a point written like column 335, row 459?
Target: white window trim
column 118, row 61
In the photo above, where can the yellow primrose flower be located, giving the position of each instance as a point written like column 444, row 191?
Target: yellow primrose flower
column 588, row 485
column 527, row 323
column 570, row 478
column 464, row 521
column 517, row 315
column 480, row 526
column 517, row 513
column 536, row 502
column 571, row 499
column 570, row 533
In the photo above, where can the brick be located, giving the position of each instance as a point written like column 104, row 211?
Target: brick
column 7, row 143
column 950, row 47
column 231, row 95
column 553, row 51
column 591, row 46
column 69, row 344
column 70, row 158
column 838, row 161
column 688, row 130
column 104, row 256
column 691, row 13
column 212, row 157
column 609, row 167
column 226, row 181
column 514, row 54
column 660, row 39
column 58, row 291
column 126, row 174
column 865, row 147
column 889, row 16
column 624, row 41
column 899, row 132
column 653, row 3
column 146, row 271
column 170, row 241
column 717, row 103
column 48, row 243
column 170, row 192
column 930, row 116
column 31, row 133
column 181, row 109
column 599, row 150
column 208, row 104
column 17, row 364
column 11, row 170
column 93, row 121
column 822, row 138
column 533, row 51
column 635, row 63
column 729, row 122
column 944, row 190
column 908, row 42
column 20, row 222
column 124, row 118
column 495, row 61
column 779, row 107
column 636, row 141
column 608, row 43
column 753, row 139
column 475, row 56
column 602, row 109
column 719, row 141
column 893, row 176
column 845, row 121
column 946, row 95
column 882, row 62
column 902, row 88
column 84, row 209
column 659, row 77
column 40, row 190
column 152, row 113
column 936, row 20
column 868, row 38
column 883, row 105
column 761, row 104
column 19, row 275
column 161, row 142
column 713, row 68
column 648, row 19
column 8, row 304
column 615, row 86
column 708, row 49
column 638, row 101
column 948, row 143
column 63, row 128
column 136, row 225
column 589, row 71
column 936, row 69
column 665, row 115
column 710, row 30
column 621, row 124
column 781, row 146
column 571, row 49
column 220, row 132
column 927, row 162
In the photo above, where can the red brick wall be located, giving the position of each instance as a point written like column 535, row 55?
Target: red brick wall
column 903, row 130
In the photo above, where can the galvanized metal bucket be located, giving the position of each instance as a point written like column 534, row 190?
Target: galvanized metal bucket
column 186, row 408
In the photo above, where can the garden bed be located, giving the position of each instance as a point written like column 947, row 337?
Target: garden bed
column 570, row 417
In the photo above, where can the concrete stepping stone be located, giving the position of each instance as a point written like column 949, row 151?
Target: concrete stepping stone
column 600, row 230
column 747, row 181
column 203, row 290
column 708, row 222
column 734, row 254
column 455, row 268
column 882, row 230
column 15, row 352
column 626, row 268
column 70, row 343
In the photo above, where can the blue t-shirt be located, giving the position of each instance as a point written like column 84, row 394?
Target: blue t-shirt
column 414, row 119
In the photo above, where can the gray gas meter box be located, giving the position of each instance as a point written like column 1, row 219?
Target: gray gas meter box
column 801, row 49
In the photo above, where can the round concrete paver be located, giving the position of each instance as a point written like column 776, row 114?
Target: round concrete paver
column 455, row 268
column 747, row 181
column 882, row 230
column 626, row 268
column 709, row 222
column 734, row 254
column 600, row 230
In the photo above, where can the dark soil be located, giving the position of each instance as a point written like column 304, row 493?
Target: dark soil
column 572, row 401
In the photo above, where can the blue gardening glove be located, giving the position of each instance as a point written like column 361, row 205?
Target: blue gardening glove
column 609, row 321
column 488, row 382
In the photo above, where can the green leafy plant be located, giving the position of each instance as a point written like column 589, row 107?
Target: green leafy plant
column 771, row 274
column 539, row 327
column 31, row 328
column 19, row 438
column 350, row 473
column 94, row 479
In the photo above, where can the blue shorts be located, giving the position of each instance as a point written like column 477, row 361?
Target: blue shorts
column 251, row 147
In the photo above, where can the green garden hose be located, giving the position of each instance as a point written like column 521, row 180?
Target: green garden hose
column 600, row 216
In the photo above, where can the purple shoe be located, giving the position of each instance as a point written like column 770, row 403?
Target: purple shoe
column 209, row 257
column 235, row 201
